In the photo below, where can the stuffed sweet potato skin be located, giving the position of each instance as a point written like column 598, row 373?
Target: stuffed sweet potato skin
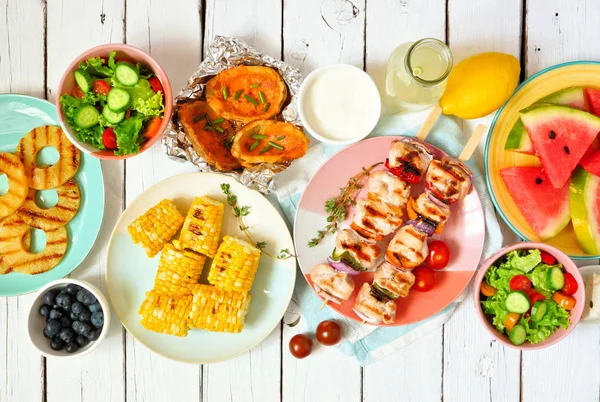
column 286, row 135
column 252, row 81
column 209, row 144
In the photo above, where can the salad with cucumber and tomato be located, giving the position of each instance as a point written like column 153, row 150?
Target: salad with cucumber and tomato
column 528, row 295
column 115, row 105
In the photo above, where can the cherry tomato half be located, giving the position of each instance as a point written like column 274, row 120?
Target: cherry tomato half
column 547, row 258
column 77, row 92
column 439, row 255
column 571, row 285
column 101, row 87
column 424, row 279
column 534, row 296
column 109, row 139
column 155, row 84
column 328, row 333
column 566, row 302
column 520, row 282
column 300, row 346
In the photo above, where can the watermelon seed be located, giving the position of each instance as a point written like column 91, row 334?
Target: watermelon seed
column 566, row 148
column 552, row 135
column 538, row 180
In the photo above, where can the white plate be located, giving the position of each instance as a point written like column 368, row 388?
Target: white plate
column 585, row 273
column 130, row 273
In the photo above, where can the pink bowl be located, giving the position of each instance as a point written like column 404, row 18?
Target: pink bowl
column 569, row 266
column 124, row 52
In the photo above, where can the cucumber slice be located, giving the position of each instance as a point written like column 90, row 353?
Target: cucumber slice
column 126, row 74
column 118, row 99
column 517, row 302
column 111, row 116
column 555, row 279
column 538, row 311
column 83, row 80
column 86, row 116
column 517, row 335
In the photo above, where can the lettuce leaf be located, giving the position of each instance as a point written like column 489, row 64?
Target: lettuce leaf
column 143, row 98
column 96, row 66
column 555, row 317
column 524, row 263
column 538, row 278
column 128, row 135
column 92, row 135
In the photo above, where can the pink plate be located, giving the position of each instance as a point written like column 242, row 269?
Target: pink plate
column 464, row 233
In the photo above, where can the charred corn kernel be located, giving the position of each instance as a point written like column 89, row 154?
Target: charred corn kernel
column 156, row 227
column 218, row 310
column 178, row 270
column 202, row 226
column 165, row 314
column 234, row 265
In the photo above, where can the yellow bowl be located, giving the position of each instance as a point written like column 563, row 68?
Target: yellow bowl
column 545, row 82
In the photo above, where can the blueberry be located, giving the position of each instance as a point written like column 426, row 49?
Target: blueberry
column 50, row 295
column 98, row 319
column 82, row 340
column 64, row 300
column 84, row 328
column 52, row 327
column 73, row 316
column 94, row 334
column 66, row 322
column 72, row 347
column 95, row 307
column 55, row 314
column 57, row 344
column 46, row 334
column 72, row 288
column 86, row 297
column 44, row 310
column 67, row 334
column 77, row 307
column 85, row 316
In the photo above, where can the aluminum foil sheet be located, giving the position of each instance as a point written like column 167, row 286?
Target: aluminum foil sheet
column 223, row 53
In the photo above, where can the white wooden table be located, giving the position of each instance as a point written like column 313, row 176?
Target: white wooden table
column 459, row 362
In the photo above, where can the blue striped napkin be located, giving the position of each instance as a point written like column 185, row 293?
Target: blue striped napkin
column 365, row 342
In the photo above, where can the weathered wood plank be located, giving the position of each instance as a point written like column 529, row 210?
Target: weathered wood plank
column 72, row 29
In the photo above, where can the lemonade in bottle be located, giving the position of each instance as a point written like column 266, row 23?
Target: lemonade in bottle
column 416, row 74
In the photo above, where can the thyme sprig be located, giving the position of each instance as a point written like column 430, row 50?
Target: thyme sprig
column 337, row 207
column 239, row 212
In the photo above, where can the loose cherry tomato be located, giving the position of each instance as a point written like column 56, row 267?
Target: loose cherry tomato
column 487, row 289
column 534, row 296
column 547, row 258
column 77, row 92
column 439, row 255
column 300, row 346
column 571, row 285
column 109, row 139
column 101, row 87
column 520, row 282
column 424, row 279
column 155, row 84
column 566, row 302
column 328, row 333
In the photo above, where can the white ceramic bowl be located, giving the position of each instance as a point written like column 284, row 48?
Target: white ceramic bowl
column 36, row 323
column 370, row 96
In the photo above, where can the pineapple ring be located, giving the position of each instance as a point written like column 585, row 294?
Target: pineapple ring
column 57, row 216
column 43, row 178
column 12, row 166
column 14, row 248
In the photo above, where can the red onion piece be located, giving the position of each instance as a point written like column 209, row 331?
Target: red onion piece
column 437, row 201
column 423, row 226
column 342, row 267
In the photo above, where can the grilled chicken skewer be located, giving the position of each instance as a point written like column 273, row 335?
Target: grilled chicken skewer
column 374, row 308
column 332, row 284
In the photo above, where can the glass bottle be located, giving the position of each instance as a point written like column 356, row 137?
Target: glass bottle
column 416, row 74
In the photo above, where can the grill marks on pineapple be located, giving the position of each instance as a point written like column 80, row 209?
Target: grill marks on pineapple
column 59, row 215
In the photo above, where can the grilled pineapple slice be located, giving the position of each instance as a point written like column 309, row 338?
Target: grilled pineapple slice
column 57, row 216
column 13, row 168
column 42, row 178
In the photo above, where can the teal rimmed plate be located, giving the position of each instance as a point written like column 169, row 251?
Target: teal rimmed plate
column 543, row 83
column 18, row 115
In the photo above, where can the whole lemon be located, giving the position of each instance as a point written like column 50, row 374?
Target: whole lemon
column 480, row 84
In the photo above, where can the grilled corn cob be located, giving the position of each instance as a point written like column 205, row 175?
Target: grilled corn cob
column 234, row 265
column 156, row 226
column 202, row 227
column 178, row 270
column 218, row 310
column 165, row 314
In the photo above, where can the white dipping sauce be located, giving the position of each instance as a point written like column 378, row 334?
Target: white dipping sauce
column 339, row 103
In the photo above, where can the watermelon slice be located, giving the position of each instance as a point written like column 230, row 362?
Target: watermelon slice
column 560, row 135
column 585, row 209
column 518, row 139
column 591, row 162
column 544, row 207
column 593, row 99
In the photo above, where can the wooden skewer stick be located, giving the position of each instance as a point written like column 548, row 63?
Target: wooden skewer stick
column 428, row 124
column 468, row 150
column 324, row 303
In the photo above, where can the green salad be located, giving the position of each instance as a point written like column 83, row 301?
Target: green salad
column 528, row 295
column 116, row 105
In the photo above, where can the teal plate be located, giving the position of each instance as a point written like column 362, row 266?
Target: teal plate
column 18, row 115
